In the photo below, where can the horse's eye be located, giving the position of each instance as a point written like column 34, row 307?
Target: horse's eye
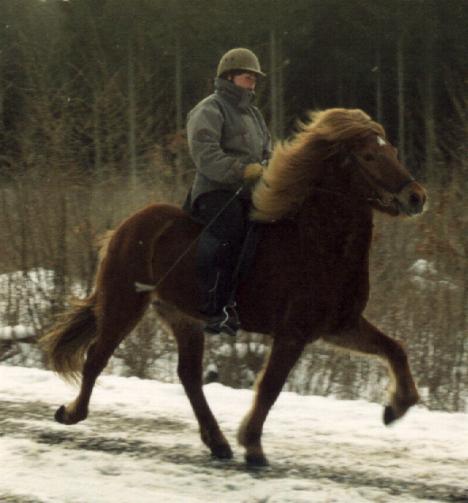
column 369, row 157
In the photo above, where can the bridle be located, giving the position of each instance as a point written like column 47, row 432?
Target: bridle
column 377, row 183
column 372, row 181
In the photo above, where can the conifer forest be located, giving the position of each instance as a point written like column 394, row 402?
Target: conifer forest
column 93, row 101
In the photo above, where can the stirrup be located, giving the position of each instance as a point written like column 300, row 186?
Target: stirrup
column 227, row 322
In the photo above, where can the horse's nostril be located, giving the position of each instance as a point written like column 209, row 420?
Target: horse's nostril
column 414, row 199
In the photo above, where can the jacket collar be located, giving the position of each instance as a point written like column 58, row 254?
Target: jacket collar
column 243, row 98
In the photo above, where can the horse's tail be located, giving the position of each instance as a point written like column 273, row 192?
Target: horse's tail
column 69, row 339
column 67, row 343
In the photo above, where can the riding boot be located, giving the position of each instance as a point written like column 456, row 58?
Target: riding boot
column 216, row 264
column 218, row 306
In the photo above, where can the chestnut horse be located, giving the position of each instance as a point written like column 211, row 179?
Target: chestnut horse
column 309, row 279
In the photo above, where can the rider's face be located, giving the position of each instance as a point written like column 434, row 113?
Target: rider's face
column 245, row 80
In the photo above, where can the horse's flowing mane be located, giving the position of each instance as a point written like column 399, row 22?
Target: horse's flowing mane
column 295, row 163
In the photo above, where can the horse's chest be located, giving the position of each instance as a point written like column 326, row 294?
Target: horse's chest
column 335, row 269
column 334, row 244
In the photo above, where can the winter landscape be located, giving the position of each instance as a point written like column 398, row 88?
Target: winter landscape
column 93, row 100
column 141, row 444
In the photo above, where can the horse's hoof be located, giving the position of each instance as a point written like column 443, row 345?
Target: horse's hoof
column 64, row 417
column 60, row 415
column 389, row 415
column 222, row 451
column 256, row 461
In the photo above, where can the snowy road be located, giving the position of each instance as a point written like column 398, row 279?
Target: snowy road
column 141, row 444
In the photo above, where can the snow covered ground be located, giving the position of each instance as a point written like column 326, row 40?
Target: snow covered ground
column 140, row 444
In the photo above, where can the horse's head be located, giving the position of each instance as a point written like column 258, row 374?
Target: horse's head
column 313, row 162
column 384, row 180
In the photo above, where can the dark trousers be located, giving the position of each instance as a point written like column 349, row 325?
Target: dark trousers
column 231, row 224
column 219, row 246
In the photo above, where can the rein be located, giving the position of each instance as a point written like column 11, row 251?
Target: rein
column 344, row 194
column 378, row 183
column 373, row 182
column 144, row 287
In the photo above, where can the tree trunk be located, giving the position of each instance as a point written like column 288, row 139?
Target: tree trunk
column 97, row 144
column 280, row 96
column 378, row 86
column 430, row 145
column 179, row 122
column 132, row 118
column 276, row 79
column 60, row 269
column 274, row 125
column 401, row 98
column 1, row 110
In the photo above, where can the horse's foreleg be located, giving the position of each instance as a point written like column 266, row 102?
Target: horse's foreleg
column 369, row 340
column 284, row 354
column 190, row 341
column 114, row 325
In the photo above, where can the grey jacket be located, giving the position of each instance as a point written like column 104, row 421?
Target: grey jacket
column 225, row 132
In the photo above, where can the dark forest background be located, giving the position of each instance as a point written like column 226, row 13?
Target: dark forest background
column 93, row 99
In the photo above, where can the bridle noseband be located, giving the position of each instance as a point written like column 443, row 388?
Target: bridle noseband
column 372, row 182
column 377, row 183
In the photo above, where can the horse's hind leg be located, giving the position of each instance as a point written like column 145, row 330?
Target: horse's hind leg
column 190, row 342
column 284, row 354
column 369, row 340
column 115, row 323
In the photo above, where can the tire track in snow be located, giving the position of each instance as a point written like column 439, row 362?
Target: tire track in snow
column 33, row 420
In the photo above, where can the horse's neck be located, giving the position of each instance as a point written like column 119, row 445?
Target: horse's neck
column 341, row 224
column 330, row 203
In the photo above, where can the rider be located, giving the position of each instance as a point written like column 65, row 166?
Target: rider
column 229, row 144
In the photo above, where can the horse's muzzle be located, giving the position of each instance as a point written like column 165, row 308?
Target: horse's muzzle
column 412, row 199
